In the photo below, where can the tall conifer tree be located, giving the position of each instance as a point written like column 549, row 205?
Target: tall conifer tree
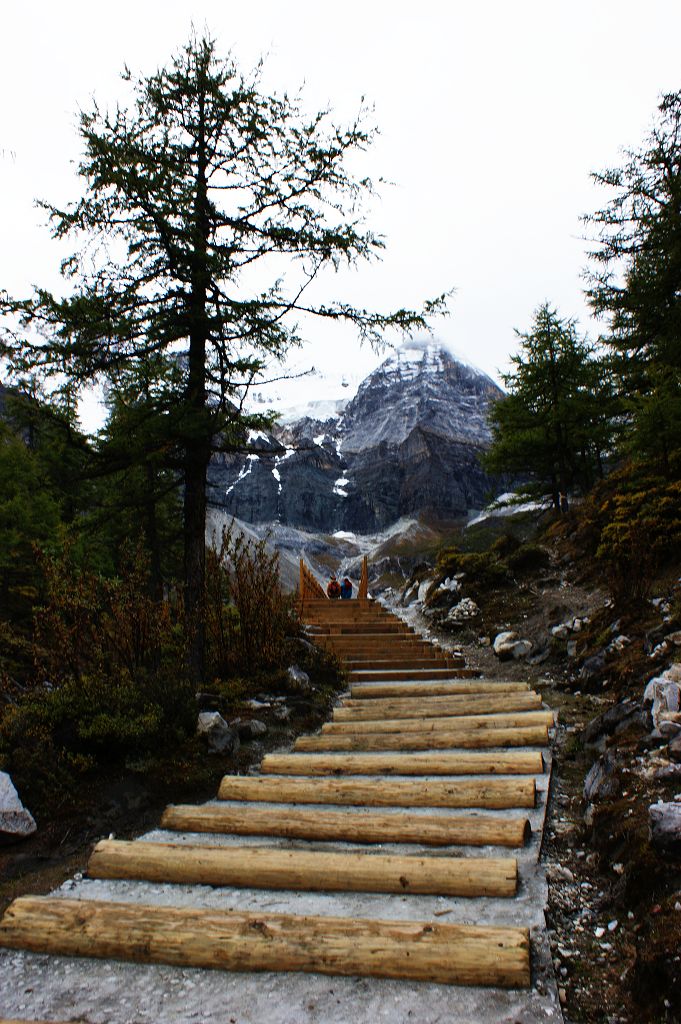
column 209, row 209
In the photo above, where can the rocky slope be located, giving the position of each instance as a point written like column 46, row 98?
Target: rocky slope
column 409, row 442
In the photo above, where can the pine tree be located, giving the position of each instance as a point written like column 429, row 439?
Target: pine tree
column 555, row 424
column 209, row 211
column 635, row 284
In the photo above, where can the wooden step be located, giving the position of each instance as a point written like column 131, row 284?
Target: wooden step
column 451, row 739
column 359, row 691
column 355, row 664
column 492, row 794
column 505, row 762
column 435, row 707
column 385, row 675
column 229, row 940
column 348, row 825
column 260, row 868
column 510, row 720
column 369, row 629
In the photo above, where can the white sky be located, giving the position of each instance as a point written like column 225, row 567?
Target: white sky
column 492, row 115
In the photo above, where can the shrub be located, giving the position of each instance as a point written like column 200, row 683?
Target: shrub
column 528, row 558
column 642, row 531
column 248, row 616
column 108, row 678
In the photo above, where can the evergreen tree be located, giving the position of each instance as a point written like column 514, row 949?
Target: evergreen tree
column 554, row 425
column 209, row 210
column 635, row 283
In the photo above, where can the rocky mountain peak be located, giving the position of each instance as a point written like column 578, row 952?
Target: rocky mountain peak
column 408, row 442
column 419, row 384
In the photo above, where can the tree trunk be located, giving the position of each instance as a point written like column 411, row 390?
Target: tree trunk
column 195, row 557
column 151, row 532
column 199, row 439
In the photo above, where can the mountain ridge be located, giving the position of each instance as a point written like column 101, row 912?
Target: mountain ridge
column 408, row 442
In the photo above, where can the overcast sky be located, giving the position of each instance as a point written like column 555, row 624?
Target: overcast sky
column 492, row 116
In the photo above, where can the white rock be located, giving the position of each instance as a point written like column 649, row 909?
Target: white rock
column 561, row 632
column 508, row 646
column 220, row 736
column 465, row 609
column 15, row 821
column 423, row 590
column 504, row 638
column 665, row 696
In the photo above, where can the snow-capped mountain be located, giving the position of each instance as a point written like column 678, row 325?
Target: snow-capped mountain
column 408, row 442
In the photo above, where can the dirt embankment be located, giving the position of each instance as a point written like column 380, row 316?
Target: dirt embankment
column 614, row 912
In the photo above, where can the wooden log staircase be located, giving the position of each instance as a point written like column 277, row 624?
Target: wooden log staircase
column 420, row 753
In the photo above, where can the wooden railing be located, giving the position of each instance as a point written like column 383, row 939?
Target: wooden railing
column 363, row 591
column 310, row 588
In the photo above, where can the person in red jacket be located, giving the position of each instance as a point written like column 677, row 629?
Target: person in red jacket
column 333, row 590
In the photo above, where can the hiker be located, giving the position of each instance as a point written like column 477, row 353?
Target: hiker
column 334, row 588
column 346, row 589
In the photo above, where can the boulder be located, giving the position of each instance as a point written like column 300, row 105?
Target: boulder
column 15, row 821
column 669, row 724
column 298, row 681
column 617, row 719
column 508, row 646
column 592, row 668
column 603, row 780
column 220, row 737
column 664, row 820
column 675, row 748
column 664, row 696
column 561, row 632
column 250, row 729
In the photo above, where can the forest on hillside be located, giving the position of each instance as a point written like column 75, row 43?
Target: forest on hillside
column 113, row 611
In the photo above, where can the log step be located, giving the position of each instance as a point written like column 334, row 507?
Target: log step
column 435, row 739
column 349, row 826
column 507, row 762
column 385, row 675
column 418, row 951
column 435, row 707
column 501, row 720
column 397, row 662
column 493, row 794
column 359, row 691
column 258, row 868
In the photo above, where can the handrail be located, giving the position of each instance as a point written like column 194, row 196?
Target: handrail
column 310, row 588
column 363, row 591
